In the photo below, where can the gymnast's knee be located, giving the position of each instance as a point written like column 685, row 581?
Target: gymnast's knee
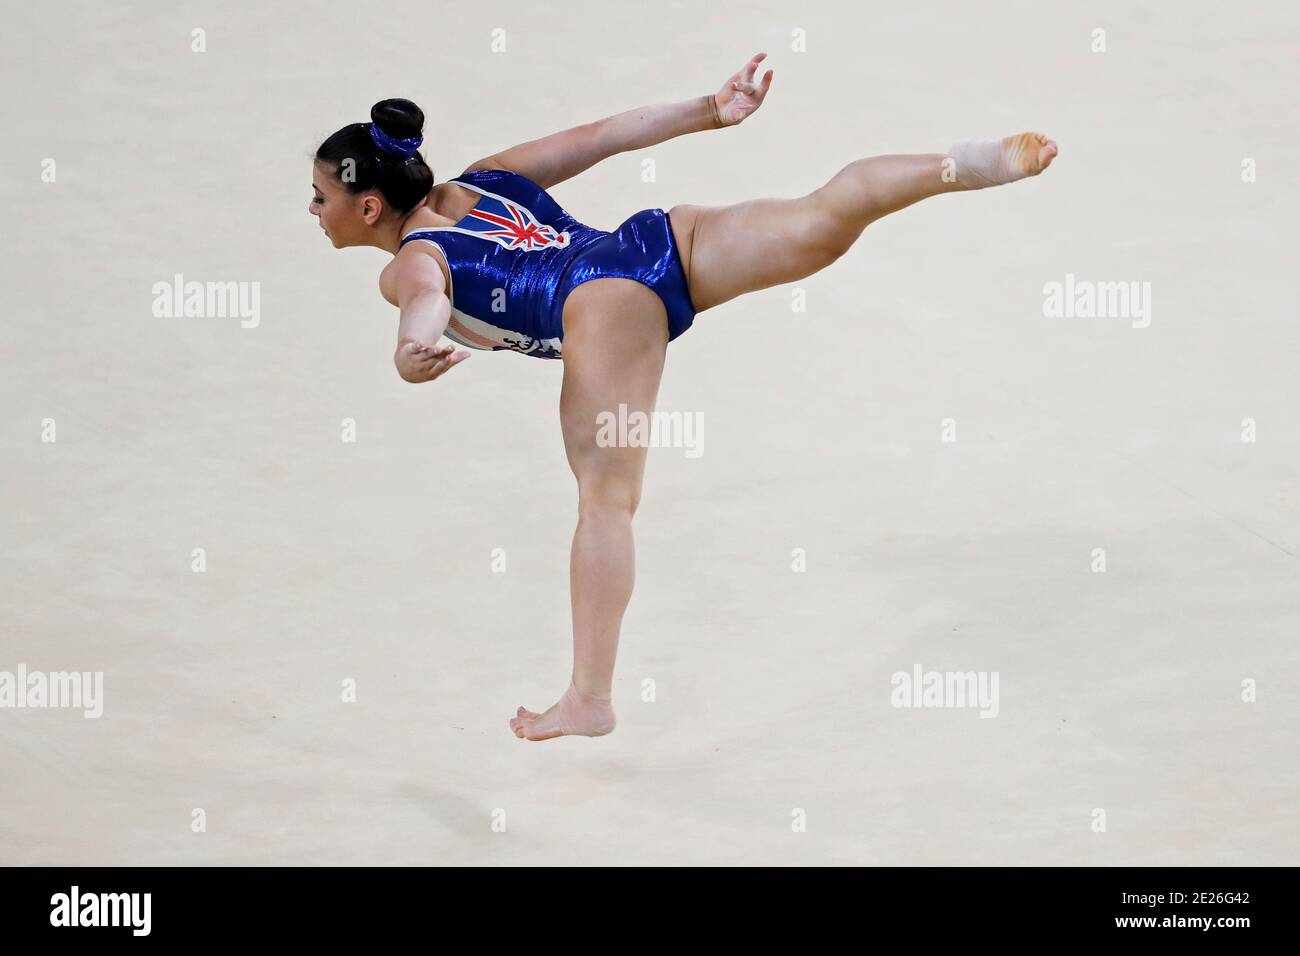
column 601, row 498
column 828, row 232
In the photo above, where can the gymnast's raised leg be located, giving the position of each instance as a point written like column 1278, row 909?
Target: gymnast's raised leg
column 730, row 250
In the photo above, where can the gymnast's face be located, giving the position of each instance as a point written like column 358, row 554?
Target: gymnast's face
column 347, row 218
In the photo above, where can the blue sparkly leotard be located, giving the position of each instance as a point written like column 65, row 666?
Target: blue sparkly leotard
column 517, row 255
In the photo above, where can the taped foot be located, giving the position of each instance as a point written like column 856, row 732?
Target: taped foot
column 576, row 714
column 996, row 162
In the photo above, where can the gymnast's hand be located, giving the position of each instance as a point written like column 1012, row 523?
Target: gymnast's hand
column 417, row 362
column 739, row 96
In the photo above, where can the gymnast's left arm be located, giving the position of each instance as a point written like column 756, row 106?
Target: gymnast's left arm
column 560, row 156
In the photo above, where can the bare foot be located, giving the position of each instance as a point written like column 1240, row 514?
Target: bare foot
column 1029, row 153
column 575, row 713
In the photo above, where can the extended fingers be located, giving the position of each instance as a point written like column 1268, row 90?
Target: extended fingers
column 448, row 362
column 743, row 82
column 427, row 354
column 430, row 361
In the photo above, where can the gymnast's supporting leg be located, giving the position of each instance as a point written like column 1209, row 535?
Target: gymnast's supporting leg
column 753, row 245
column 615, row 337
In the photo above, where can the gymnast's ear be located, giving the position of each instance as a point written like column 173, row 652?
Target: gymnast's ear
column 372, row 209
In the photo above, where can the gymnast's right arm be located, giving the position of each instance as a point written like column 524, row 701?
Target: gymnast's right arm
column 563, row 155
column 417, row 287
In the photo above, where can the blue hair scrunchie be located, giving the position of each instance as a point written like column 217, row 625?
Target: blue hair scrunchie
column 404, row 147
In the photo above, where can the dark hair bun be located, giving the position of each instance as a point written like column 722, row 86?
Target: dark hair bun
column 398, row 118
column 403, row 180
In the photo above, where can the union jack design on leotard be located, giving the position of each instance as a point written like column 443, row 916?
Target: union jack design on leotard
column 510, row 224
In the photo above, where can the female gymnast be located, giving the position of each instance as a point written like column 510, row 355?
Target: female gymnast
column 490, row 261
